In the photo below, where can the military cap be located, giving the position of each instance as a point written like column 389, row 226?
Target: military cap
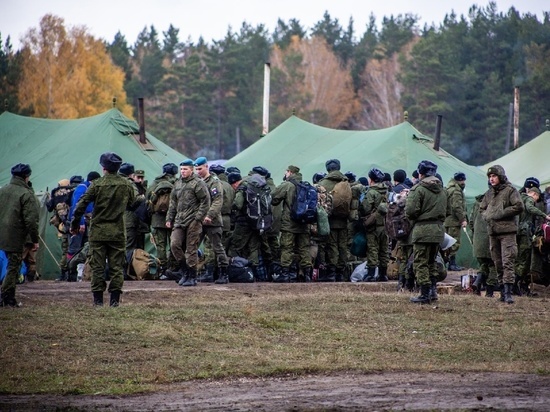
column 376, row 175
column 317, row 177
column 351, row 176
column 170, row 169
column 217, row 169
column 262, row 171
column 293, row 169
column 126, row 169
column 332, row 164
column 496, row 170
column 140, row 173
column 110, row 161
column 233, row 177
column 534, row 189
column 399, row 175
column 187, row 162
column 93, row 175
column 232, row 169
column 427, row 168
column 199, row 161
column 459, row 177
column 76, row 180
column 531, row 182
column 21, row 170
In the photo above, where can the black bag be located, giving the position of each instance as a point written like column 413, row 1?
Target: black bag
column 258, row 203
column 238, row 271
column 304, row 205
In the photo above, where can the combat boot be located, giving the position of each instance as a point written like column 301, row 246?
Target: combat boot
column 508, row 293
column 98, row 298
column 63, row 276
column 371, row 274
column 190, row 279
column 8, row 299
column 115, row 298
column 208, row 275
column 433, row 291
column 501, row 287
column 222, row 276
column 382, row 274
column 424, row 297
column 308, row 273
column 453, row 267
column 489, row 291
column 476, row 286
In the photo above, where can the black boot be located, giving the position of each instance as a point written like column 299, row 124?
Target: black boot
column 308, row 273
column 424, row 297
column 190, row 279
column 115, row 298
column 501, row 287
column 489, row 291
column 8, row 299
column 98, row 298
column 508, row 293
column 516, row 286
column 208, row 275
column 409, row 283
column 401, row 282
column 327, row 274
column 433, row 291
column 283, row 276
column 63, row 276
column 476, row 286
column 177, row 274
column 222, row 276
column 370, row 276
column 453, row 267
column 382, row 274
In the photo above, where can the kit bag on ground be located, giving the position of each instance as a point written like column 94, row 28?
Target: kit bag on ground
column 341, row 199
column 142, row 265
column 160, row 199
column 258, row 203
column 239, row 271
column 398, row 226
column 304, row 205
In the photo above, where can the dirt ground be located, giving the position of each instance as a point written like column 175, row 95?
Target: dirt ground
column 339, row 392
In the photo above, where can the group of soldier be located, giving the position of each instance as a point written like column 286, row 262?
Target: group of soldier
column 207, row 205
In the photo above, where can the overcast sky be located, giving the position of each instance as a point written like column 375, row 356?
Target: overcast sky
column 211, row 18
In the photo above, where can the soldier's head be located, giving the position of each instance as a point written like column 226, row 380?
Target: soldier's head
column 170, row 169
column 139, row 176
column 496, row 175
column 291, row 170
column 351, row 176
column 21, row 170
column 332, row 165
column 531, row 182
column 317, row 177
column 234, row 179
column 126, row 169
column 399, row 176
column 375, row 176
column 460, row 178
column 217, row 169
column 110, row 162
column 93, row 175
column 534, row 192
column 426, row 168
column 186, row 168
column 201, row 167
column 262, row 171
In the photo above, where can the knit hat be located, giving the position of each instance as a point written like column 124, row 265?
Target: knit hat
column 170, row 169
column 351, row 176
column 187, row 162
column 415, row 174
column 293, row 169
column 233, row 177
column 459, row 177
column 93, row 175
column 399, row 175
column 126, row 169
column 531, row 182
column 427, row 168
column 110, row 161
column 217, row 169
column 363, row 180
column 75, row 180
column 332, row 164
column 376, row 175
column 199, row 161
column 262, row 171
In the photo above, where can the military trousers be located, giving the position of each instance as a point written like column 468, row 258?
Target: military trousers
column 161, row 237
column 295, row 243
column 107, row 254
column 487, row 267
column 504, row 250
column 522, row 264
column 378, row 247
column 184, row 243
column 337, row 248
column 214, row 246
column 424, row 265
column 12, row 272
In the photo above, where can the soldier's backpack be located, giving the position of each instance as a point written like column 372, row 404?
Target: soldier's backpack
column 142, row 265
column 324, row 209
column 160, row 198
column 398, row 226
column 258, row 203
column 60, row 203
column 341, row 199
column 304, row 204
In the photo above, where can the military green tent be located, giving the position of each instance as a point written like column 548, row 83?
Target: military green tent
column 308, row 146
column 58, row 149
column 531, row 159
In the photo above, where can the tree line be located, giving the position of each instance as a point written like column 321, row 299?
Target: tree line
column 206, row 99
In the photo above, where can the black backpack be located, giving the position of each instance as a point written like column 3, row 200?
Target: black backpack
column 304, row 206
column 258, row 203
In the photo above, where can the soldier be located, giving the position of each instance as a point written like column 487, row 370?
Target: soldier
column 134, row 239
column 456, row 218
column 228, row 197
column 499, row 208
column 294, row 235
column 19, row 222
column 373, row 204
column 189, row 204
column 212, row 223
column 161, row 187
column 112, row 194
column 426, row 207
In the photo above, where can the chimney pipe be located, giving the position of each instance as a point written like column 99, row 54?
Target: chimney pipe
column 516, row 117
column 437, row 140
column 267, row 74
column 141, row 114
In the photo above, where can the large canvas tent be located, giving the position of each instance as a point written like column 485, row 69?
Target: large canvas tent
column 308, row 146
column 528, row 160
column 57, row 149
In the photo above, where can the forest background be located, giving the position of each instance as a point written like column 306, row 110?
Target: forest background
column 206, row 99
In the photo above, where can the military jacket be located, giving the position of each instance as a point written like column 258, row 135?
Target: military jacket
column 227, row 204
column 189, row 201
column 500, row 208
column 215, row 189
column 112, row 195
column 277, row 211
column 426, row 208
column 328, row 182
column 18, row 215
column 374, row 197
column 480, row 238
column 158, row 219
column 530, row 217
column 456, row 204
column 284, row 195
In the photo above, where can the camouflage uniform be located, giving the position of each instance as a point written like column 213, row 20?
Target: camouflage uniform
column 19, row 222
column 112, row 195
column 456, row 208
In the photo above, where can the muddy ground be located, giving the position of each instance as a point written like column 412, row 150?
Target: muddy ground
column 339, row 392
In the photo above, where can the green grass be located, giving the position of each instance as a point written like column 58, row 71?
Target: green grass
column 157, row 338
